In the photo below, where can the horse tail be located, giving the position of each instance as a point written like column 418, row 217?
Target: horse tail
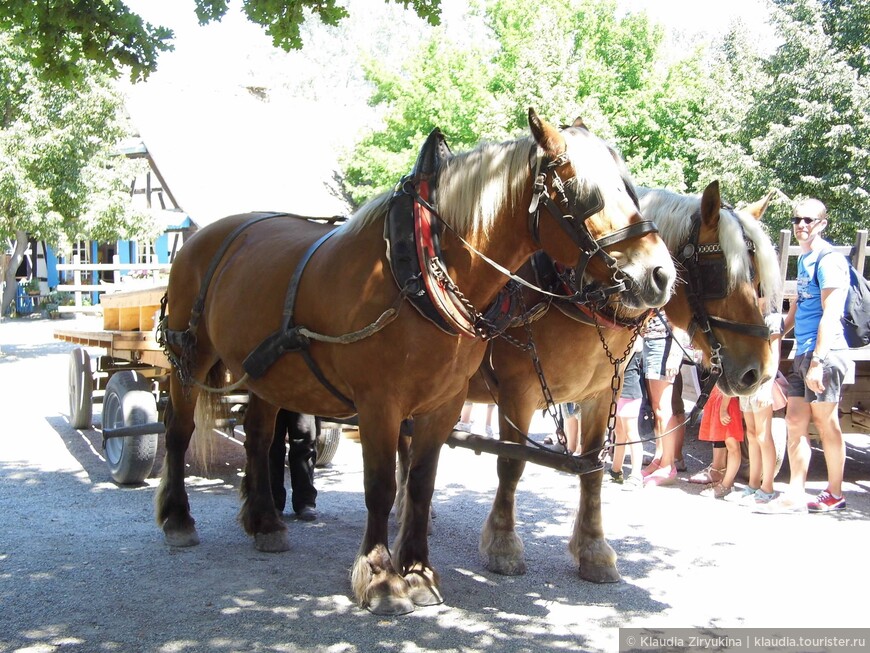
column 210, row 408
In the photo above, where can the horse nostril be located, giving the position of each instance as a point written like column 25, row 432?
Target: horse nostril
column 660, row 277
column 750, row 378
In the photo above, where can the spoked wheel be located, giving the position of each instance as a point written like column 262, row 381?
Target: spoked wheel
column 81, row 389
column 327, row 444
column 129, row 402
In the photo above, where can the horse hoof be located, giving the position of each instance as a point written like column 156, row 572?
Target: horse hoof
column 423, row 586
column 181, row 538
column 506, row 566
column 599, row 574
column 390, row 606
column 425, row 595
column 274, row 542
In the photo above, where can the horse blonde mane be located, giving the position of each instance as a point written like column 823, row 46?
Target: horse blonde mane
column 672, row 214
column 476, row 186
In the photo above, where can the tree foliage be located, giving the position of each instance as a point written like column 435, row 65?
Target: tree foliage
column 60, row 36
column 809, row 124
column 563, row 58
column 794, row 119
column 60, row 180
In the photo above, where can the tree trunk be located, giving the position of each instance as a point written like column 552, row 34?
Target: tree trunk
column 11, row 287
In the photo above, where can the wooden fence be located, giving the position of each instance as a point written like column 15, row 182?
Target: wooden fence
column 79, row 288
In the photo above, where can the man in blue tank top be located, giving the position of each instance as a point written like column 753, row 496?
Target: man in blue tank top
column 819, row 365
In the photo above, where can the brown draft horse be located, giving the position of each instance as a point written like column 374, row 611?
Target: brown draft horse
column 404, row 366
column 586, row 377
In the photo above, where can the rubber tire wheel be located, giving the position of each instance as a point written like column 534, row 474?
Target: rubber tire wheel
column 81, row 389
column 780, row 438
column 327, row 444
column 128, row 402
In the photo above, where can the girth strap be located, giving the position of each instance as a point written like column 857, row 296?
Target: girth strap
column 288, row 338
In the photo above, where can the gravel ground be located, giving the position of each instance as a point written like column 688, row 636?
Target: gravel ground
column 83, row 566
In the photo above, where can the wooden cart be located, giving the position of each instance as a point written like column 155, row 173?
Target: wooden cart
column 131, row 378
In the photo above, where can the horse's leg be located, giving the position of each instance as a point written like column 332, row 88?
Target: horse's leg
column 404, row 464
column 595, row 558
column 376, row 585
column 401, row 480
column 172, row 509
column 411, row 556
column 258, row 514
column 500, row 545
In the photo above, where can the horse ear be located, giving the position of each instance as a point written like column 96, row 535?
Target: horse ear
column 578, row 122
column 757, row 209
column 547, row 136
column 711, row 202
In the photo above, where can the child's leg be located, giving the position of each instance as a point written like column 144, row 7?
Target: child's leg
column 732, row 447
column 753, row 448
column 572, row 434
column 767, row 448
column 719, row 462
column 619, row 449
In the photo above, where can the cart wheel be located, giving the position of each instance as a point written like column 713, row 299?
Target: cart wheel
column 128, row 402
column 327, row 444
column 81, row 389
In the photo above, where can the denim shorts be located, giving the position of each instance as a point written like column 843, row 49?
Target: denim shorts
column 655, row 358
column 833, row 373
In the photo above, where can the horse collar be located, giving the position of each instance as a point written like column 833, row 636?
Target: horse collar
column 413, row 236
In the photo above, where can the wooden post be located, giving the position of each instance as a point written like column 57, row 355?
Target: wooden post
column 77, row 280
column 116, row 274
column 860, row 250
column 784, row 243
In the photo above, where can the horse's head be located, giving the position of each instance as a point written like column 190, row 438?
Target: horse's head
column 727, row 263
column 581, row 188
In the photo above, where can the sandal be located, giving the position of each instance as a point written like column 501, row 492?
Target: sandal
column 716, row 491
column 708, row 476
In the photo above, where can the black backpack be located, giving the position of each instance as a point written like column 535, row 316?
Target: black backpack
column 856, row 312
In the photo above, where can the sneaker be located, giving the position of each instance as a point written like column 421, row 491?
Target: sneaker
column 826, row 502
column 489, row 432
column 308, row 513
column 463, row 426
column 761, row 497
column 617, row 477
column 744, row 497
column 717, row 491
column 633, row 483
column 781, row 505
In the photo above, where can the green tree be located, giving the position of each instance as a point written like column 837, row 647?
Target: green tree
column 59, row 179
column 563, row 58
column 59, row 36
column 810, row 122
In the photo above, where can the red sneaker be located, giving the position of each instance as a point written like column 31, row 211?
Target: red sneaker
column 826, row 502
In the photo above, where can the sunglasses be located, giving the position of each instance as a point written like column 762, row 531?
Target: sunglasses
column 804, row 220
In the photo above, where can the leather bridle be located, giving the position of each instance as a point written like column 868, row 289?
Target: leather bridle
column 706, row 273
column 571, row 214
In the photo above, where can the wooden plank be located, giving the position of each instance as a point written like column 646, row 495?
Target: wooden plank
column 132, row 310
column 135, row 297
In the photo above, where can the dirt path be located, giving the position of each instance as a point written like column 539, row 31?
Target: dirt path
column 83, row 566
